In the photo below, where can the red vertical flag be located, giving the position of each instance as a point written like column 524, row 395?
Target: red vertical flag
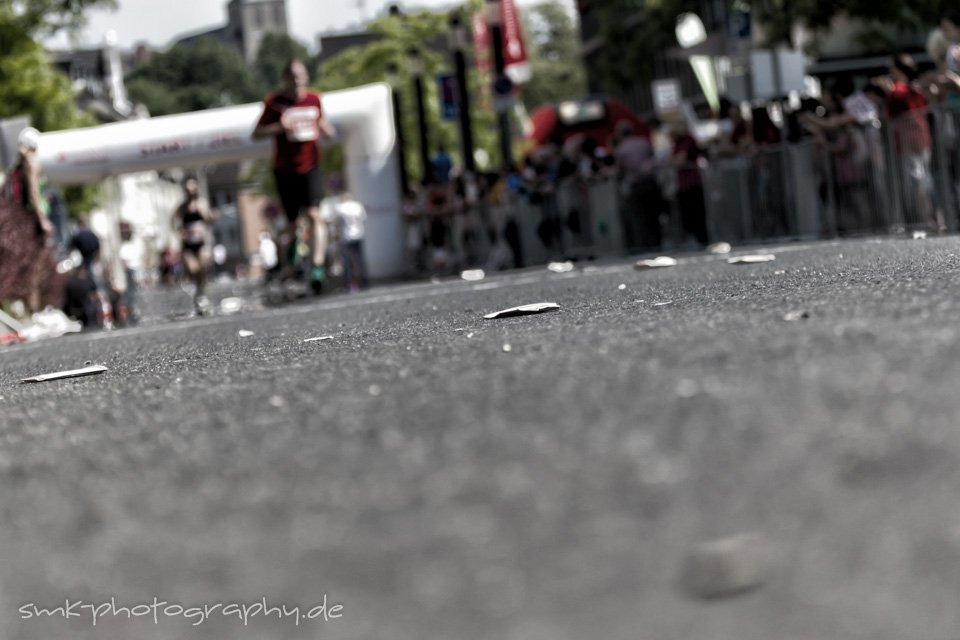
column 514, row 49
column 483, row 53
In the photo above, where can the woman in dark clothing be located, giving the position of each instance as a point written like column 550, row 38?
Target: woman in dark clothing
column 690, row 196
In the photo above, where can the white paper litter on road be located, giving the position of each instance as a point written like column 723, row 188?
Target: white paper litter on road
column 320, row 339
column 243, row 333
column 660, row 262
column 525, row 310
column 49, row 323
column 561, row 267
column 62, row 375
column 230, row 306
column 757, row 258
column 473, row 275
column 10, row 322
column 720, row 248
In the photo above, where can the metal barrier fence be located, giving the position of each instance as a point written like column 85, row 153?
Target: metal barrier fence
column 875, row 178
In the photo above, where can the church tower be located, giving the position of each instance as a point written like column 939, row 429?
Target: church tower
column 250, row 20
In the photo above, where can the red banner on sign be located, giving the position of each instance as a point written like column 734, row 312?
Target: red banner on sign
column 483, row 51
column 514, row 49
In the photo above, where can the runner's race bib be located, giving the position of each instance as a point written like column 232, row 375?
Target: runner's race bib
column 301, row 124
column 196, row 232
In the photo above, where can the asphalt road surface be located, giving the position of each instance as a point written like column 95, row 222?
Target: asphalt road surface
column 439, row 485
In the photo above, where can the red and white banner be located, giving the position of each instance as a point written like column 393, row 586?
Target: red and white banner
column 516, row 64
column 514, row 49
column 483, row 50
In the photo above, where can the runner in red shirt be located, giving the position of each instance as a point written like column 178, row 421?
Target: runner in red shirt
column 293, row 117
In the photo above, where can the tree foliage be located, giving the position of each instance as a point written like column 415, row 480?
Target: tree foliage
column 426, row 32
column 29, row 84
column 208, row 73
column 553, row 43
column 635, row 32
column 276, row 49
column 41, row 18
column 192, row 76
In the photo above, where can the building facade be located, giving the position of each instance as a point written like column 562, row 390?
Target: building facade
column 248, row 21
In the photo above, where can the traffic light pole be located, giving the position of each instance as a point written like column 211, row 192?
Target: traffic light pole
column 458, row 42
column 417, row 64
column 500, row 65
column 393, row 74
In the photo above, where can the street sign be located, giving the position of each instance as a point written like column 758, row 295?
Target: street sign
column 447, row 89
column 775, row 82
column 504, row 94
column 666, row 95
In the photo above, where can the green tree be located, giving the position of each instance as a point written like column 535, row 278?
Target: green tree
column 276, row 49
column 29, row 84
column 193, row 76
column 426, row 32
column 635, row 32
column 36, row 19
column 553, row 42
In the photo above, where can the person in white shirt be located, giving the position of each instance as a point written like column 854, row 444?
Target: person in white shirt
column 269, row 256
column 350, row 217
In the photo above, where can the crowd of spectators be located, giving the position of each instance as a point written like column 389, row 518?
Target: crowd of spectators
column 881, row 153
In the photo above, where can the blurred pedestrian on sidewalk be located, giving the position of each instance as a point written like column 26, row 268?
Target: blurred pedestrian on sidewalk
column 687, row 155
column 908, row 109
column 641, row 198
column 350, row 218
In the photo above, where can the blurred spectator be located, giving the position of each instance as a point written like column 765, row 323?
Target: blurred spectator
column 770, row 217
column 442, row 165
column 438, row 210
column 413, row 218
column 687, row 156
column 350, row 218
column 81, row 300
column 907, row 109
column 641, row 199
column 735, row 134
column 950, row 28
column 27, row 270
column 86, row 243
column 132, row 258
column 848, row 155
column 268, row 254
column 58, row 216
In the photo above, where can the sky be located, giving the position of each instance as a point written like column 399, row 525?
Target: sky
column 158, row 22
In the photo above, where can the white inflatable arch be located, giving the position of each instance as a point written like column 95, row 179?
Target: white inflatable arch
column 363, row 118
